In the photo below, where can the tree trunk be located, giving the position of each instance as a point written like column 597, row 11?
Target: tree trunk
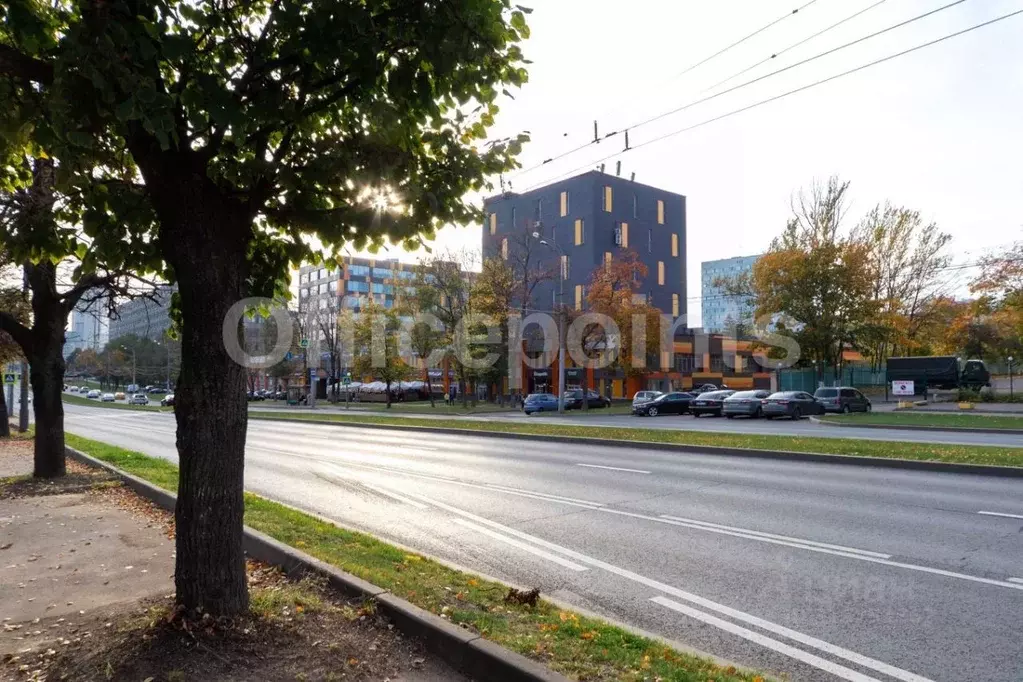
column 5, row 423
column 585, row 386
column 387, row 395
column 203, row 236
column 46, row 362
column 429, row 388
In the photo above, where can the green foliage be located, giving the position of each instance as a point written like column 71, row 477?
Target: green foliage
column 310, row 116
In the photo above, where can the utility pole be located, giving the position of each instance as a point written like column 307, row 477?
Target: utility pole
column 23, row 406
column 561, row 322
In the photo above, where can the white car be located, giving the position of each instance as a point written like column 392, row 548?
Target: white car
column 73, row 389
column 139, row 399
column 94, row 393
column 107, row 398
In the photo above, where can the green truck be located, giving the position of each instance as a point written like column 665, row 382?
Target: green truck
column 942, row 372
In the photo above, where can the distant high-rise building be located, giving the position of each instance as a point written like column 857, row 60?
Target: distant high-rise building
column 89, row 327
column 718, row 306
column 144, row 317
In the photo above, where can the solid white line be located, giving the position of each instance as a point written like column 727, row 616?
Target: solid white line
column 833, row 649
column 553, row 497
column 1016, row 580
column 597, row 466
column 1008, row 516
column 521, row 545
column 395, row 496
column 764, row 641
column 778, row 537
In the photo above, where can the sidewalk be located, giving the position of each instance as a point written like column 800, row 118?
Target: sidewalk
column 86, row 593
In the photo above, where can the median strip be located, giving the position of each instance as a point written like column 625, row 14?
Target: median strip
column 996, row 460
column 574, row 645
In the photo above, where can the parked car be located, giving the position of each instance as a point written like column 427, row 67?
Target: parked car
column 253, row 396
column 119, row 396
column 92, row 394
column 794, row 404
column 666, row 403
column 744, row 403
column 574, row 400
column 156, row 390
column 645, row 397
column 707, row 388
column 842, row 399
column 73, row 389
column 139, row 399
column 167, row 400
column 540, row 402
column 281, row 395
column 107, row 398
column 709, row 403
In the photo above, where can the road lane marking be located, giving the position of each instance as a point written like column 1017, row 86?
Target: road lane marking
column 597, row 466
column 394, row 496
column 833, row 649
column 764, row 641
column 523, row 546
column 801, row 541
column 1016, row 580
column 1008, row 516
column 585, row 504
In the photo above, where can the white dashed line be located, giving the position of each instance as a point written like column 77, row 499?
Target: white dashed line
column 1008, row 516
column 521, row 545
column 597, row 466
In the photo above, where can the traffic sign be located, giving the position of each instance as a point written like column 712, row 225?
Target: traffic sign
column 10, row 378
column 304, row 343
column 347, row 379
column 902, row 387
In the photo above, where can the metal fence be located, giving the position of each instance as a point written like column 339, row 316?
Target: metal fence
column 809, row 378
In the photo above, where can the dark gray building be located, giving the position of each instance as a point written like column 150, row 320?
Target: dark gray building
column 589, row 219
column 144, row 317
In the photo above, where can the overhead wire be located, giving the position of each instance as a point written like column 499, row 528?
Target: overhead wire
column 703, row 100
column 775, row 98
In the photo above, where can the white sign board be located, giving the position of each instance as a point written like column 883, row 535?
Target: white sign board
column 902, row 388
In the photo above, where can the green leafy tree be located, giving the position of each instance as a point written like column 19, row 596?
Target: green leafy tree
column 378, row 346
column 242, row 131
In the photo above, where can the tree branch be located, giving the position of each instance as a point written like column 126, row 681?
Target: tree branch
column 17, row 64
column 21, row 334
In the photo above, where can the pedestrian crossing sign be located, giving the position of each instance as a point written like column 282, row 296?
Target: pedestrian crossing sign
column 10, row 378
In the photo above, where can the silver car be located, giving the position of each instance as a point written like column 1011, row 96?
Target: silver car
column 139, row 399
column 644, row 397
column 744, row 403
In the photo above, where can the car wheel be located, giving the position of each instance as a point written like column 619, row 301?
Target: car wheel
column 845, row 409
column 797, row 413
column 868, row 408
column 652, row 412
column 729, row 416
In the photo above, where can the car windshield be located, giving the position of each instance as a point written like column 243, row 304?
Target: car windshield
column 715, row 395
column 743, row 395
column 826, row 393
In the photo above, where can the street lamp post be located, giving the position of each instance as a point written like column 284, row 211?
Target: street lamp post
column 133, row 366
column 561, row 322
column 1010, row 377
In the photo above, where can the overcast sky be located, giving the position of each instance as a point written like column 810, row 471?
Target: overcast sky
column 939, row 130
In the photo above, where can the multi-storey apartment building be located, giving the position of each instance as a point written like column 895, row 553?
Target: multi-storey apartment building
column 590, row 219
column 144, row 317
column 720, row 308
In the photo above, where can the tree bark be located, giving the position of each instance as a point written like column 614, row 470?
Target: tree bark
column 203, row 235
column 429, row 387
column 5, row 423
column 46, row 360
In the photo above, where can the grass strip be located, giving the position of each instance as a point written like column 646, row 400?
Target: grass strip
column 952, row 420
column 936, row 452
column 576, row 646
column 95, row 402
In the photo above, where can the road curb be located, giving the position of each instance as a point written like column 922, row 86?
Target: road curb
column 457, row 646
column 856, row 460
column 919, row 427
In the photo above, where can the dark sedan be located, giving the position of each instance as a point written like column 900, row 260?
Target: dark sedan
column 745, row 404
column 844, row 399
column 574, row 400
column 709, row 403
column 668, row 403
column 794, row 404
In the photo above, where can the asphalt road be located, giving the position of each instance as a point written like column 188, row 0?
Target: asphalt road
column 777, row 427
column 814, row 571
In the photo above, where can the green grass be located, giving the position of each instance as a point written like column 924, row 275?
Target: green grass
column 944, row 420
column 577, row 646
column 963, row 454
column 95, row 402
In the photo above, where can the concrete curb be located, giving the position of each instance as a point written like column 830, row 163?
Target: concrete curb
column 919, row 427
column 459, row 647
column 857, row 460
